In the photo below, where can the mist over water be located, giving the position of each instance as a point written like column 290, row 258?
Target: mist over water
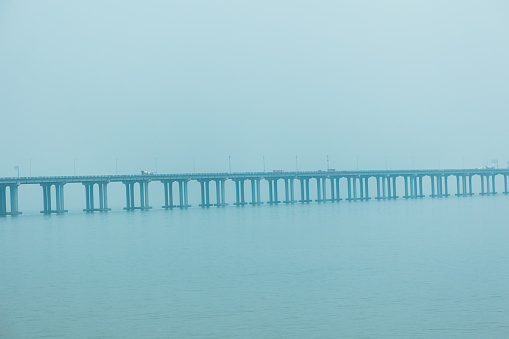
column 93, row 88
column 406, row 268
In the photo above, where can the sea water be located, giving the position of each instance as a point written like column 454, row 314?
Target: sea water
column 407, row 268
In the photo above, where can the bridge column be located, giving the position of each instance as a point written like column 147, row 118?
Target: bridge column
column 482, row 185
column 168, row 194
column 332, row 193
column 3, row 200
column 324, row 189
column 146, row 196
column 439, row 186
column 302, row 193
column 59, row 197
column 505, row 184
column 464, row 179
column 258, row 192
column 142, row 195
column 470, row 185
column 253, row 192
column 378, row 196
column 354, row 188
column 389, row 194
column 307, row 191
column 287, row 191
column 432, row 179
column 183, row 196
column 493, row 190
column 458, row 193
column 13, row 192
column 46, row 195
column 237, row 192
column 239, row 189
column 318, row 190
column 361, row 188
column 366, row 188
column 127, row 197
column 394, row 191
column 421, row 194
column 202, row 191
column 446, row 186
column 276, row 201
column 338, row 197
column 271, row 198
column 349, row 181
column 292, row 190
column 218, row 193
column 406, row 179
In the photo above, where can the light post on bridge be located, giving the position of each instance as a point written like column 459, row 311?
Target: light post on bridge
column 296, row 163
column 328, row 162
column 17, row 169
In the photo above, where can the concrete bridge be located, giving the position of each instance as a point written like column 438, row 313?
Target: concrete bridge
column 357, row 183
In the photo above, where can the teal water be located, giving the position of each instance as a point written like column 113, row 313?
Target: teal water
column 419, row 268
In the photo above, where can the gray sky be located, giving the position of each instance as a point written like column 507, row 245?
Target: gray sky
column 100, row 80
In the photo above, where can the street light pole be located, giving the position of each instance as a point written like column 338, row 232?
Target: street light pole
column 327, row 162
column 296, row 163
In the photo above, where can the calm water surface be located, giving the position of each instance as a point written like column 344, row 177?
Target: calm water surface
column 428, row 268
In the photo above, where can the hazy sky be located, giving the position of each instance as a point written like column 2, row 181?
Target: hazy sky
column 177, row 81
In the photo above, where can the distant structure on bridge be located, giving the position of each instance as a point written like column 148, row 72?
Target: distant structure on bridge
column 357, row 183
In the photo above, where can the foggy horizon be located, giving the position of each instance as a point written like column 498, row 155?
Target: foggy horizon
column 392, row 84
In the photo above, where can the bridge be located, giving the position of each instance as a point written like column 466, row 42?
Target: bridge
column 357, row 187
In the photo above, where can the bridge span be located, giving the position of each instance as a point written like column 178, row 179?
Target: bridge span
column 327, row 187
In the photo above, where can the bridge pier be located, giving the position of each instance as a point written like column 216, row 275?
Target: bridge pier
column 505, row 184
column 255, row 192
column 168, row 194
column 183, row 195
column 205, row 192
column 13, row 192
column 220, row 193
column 89, row 197
column 338, row 196
column 482, row 185
column 273, row 191
column 289, row 191
column 59, row 198
column 129, row 194
column 441, row 186
column 239, row 189
column 304, row 190
column 394, row 191
column 349, row 188
column 318, row 190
